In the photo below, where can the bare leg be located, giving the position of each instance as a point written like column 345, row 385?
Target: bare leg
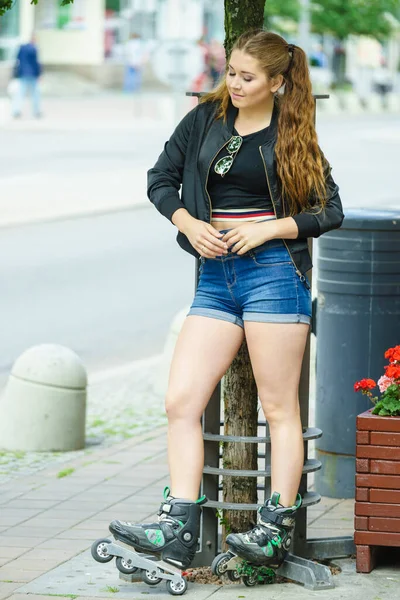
column 276, row 352
column 204, row 351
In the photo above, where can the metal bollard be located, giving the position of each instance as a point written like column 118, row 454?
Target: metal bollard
column 43, row 407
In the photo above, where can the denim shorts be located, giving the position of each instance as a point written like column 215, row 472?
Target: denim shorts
column 261, row 285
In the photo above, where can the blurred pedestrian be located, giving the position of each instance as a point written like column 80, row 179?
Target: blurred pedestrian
column 382, row 82
column 135, row 59
column 28, row 71
column 216, row 61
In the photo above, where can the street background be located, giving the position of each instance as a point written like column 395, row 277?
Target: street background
column 87, row 262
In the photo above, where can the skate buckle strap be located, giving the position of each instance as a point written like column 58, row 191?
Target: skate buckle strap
column 275, row 499
column 164, row 508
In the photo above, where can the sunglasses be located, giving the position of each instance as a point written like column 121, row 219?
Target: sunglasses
column 225, row 163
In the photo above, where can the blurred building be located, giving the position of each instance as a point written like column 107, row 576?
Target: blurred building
column 88, row 36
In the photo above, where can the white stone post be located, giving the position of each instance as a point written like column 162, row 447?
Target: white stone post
column 43, row 406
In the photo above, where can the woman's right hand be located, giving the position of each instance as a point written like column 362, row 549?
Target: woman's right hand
column 203, row 236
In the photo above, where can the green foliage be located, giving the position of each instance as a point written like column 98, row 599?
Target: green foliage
column 285, row 10
column 223, row 521
column 342, row 18
column 389, row 403
column 113, row 5
column 6, row 5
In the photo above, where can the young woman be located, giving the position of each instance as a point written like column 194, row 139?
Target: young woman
column 255, row 186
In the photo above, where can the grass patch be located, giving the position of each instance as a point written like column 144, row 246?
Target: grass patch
column 111, row 589
column 111, row 462
column 110, row 431
column 98, row 423
column 65, row 473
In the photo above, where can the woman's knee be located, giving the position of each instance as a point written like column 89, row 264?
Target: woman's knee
column 279, row 408
column 180, row 404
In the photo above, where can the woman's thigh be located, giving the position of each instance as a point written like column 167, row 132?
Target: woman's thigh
column 204, row 351
column 276, row 352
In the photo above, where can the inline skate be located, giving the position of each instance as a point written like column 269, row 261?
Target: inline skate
column 255, row 555
column 158, row 550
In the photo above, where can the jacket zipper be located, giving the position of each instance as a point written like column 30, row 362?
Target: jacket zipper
column 300, row 275
column 208, row 172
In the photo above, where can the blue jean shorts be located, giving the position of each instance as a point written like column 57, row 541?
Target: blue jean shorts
column 261, row 285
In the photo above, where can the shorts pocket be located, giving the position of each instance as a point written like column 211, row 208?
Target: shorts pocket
column 271, row 258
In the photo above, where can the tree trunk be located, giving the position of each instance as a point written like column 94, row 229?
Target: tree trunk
column 239, row 389
column 241, row 15
column 240, row 418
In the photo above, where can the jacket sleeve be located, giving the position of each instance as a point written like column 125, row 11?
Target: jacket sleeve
column 165, row 178
column 314, row 221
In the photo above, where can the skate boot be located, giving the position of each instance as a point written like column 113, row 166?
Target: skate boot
column 173, row 538
column 268, row 543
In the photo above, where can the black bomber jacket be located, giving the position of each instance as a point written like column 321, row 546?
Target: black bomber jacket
column 186, row 160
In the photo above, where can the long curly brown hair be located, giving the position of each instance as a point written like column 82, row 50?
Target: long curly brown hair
column 299, row 160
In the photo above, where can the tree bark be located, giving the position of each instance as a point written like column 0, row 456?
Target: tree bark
column 239, row 389
column 240, row 418
column 241, row 15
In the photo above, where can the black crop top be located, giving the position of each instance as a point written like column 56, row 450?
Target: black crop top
column 242, row 193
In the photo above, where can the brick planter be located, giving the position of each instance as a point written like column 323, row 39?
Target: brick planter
column 377, row 508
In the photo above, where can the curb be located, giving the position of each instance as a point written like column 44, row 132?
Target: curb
column 101, row 376
column 72, row 216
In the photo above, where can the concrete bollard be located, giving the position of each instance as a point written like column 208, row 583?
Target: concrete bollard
column 43, row 406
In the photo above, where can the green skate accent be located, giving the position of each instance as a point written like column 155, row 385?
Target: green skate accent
column 268, row 550
column 299, row 502
column 155, row 536
column 201, row 500
column 277, row 541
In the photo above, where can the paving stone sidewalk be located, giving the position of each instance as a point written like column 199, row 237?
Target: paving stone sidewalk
column 47, row 525
column 48, row 521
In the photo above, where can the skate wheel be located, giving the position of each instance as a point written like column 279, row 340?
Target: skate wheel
column 150, row 577
column 99, row 551
column 250, row 580
column 176, row 588
column 217, row 565
column 233, row 575
column 125, row 566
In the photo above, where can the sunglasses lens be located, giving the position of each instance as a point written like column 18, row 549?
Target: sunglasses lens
column 234, row 144
column 223, row 165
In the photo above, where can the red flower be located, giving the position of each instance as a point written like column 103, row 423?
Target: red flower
column 393, row 354
column 364, row 384
column 392, row 371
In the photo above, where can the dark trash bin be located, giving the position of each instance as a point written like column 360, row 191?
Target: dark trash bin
column 358, row 318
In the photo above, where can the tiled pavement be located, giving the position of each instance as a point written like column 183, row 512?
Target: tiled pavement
column 48, row 523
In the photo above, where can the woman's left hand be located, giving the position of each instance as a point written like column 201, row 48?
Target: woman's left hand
column 245, row 237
